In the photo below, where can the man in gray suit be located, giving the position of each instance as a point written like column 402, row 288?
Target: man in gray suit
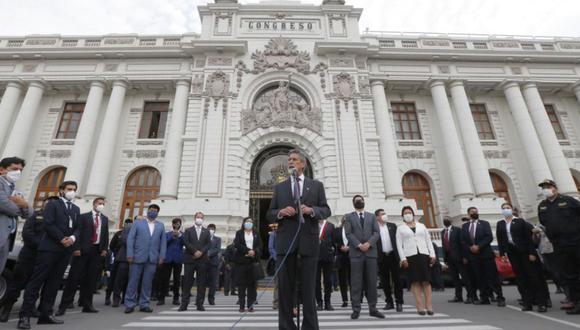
column 12, row 204
column 362, row 232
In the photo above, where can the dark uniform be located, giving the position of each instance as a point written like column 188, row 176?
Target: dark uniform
column 561, row 218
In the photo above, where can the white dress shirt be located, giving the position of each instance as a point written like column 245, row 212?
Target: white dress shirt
column 151, row 225
column 508, row 227
column 300, row 183
column 98, row 229
column 387, row 245
column 249, row 238
column 473, row 223
column 344, row 239
column 70, row 220
column 198, row 230
column 320, row 228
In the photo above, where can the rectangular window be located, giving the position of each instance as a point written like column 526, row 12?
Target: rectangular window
column 70, row 120
column 154, row 120
column 482, row 122
column 555, row 121
column 406, row 121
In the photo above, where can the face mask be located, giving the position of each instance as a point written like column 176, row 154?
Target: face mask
column 474, row 216
column 70, row 195
column 384, row 218
column 100, row 208
column 211, row 232
column 408, row 217
column 248, row 225
column 507, row 212
column 198, row 221
column 547, row 192
column 13, row 176
column 359, row 205
column 152, row 215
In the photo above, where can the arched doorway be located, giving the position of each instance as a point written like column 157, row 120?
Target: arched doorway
column 269, row 168
column 141, row 187
column 500, row 187
column 416, row 186
column 48, row 185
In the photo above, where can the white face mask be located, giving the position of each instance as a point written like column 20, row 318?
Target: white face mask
column 384, row 218
column 198, row 221
column 14, row 176
column 408, row 217
column 100, row 208
column 547, row 192
column 70, row 195
column 211, row 232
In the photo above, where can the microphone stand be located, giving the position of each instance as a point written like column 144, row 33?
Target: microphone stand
column 301, row 220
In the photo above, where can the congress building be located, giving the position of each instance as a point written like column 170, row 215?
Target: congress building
column 203, row 122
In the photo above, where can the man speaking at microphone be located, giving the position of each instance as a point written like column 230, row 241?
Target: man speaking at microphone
column 296, row 194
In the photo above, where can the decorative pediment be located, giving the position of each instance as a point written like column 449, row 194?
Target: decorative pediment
column 281, row 53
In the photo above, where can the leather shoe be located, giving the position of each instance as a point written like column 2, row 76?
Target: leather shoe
column 116, row 303
column 482, row 302
column 527, row 308
column 5, row 312
column 145, row 310
column 23, row 323
column 355, row 315
column 399, row 308
column 389, row 306
column 107, row 301
column 377, row 314
column 542, row 309
column 329, row 308
column 129, row 310
column 201, row 308
column 468, row 301
column 89, row 309
column 319, row 308
column 212, row 303
column 161, row 302
column 176, row 302
column 182, row 308
column 574, row 311
column 49, row 320
column 61, row 311
column 344, row 304
column 500, row 302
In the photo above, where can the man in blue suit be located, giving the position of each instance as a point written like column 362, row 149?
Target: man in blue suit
column 146, row 246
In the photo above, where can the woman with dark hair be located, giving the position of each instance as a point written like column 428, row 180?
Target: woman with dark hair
column 417, row 255
column 247, row 246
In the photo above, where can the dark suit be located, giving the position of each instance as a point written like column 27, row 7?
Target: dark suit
column 342, row 264
column 306, row 245
column 482, row 263
column 213, row 262
column 86, row 267
column 119, row 246
column 246, row 277
column 195, row 266
column 529, row 276
column 389, row 268
column 453, row 257
column 325, row 264
column 52, row 258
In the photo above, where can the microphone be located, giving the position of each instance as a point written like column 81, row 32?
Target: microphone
column 292, row 171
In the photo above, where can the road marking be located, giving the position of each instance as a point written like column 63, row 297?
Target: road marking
column 574, row 325
column 270, row 317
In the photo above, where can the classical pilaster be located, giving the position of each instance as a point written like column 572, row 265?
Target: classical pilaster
column 174, row 146
column 105, row 151
column 473, row 151
column 18, row 136
column 527, row 133
column 387, row 144
column 576, row 90
column 78, row 163
column 552, row 149
column 8, row 107
column 457, row 168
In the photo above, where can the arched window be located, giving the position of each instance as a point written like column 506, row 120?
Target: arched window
column 500, row 187
column 48, row 185
column 142, row 186
column 416, row 186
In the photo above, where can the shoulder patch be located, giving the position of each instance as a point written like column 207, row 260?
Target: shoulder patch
column 543, row 208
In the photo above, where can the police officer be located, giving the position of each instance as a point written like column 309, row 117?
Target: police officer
column 560, row 215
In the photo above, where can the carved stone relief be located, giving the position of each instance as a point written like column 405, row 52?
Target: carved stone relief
column 364, row 86
column 341, row 62
column 197, row 85
column 344, row 86
column 219, row 61
column 217, row 85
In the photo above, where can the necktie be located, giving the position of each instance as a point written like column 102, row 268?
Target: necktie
column 95, row 227
column 297, row 190
column 472, row 231
column 446, row 240
column 362, row 220
column 68, row 206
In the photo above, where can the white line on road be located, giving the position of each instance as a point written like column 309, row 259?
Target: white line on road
column 271, row 317
column 574, row 325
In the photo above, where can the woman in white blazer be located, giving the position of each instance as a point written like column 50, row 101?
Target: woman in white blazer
column 417, row 256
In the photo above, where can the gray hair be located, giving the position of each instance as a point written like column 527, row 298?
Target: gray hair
column 299, row 153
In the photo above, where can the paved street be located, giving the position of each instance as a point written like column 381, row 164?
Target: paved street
column 224, row 314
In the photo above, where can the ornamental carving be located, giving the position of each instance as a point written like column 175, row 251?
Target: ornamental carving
column 197, row 85
column 344, row 86
column 217, row 85
column 281, row 53
column 281, row 107
column 364, row 86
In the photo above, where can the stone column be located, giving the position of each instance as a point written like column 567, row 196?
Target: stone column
column 387, row 144
column 78, row 163
column 474, row 152
column 553, row 151
column 21, row 130
column 174, row 145
column 528, row 136
column 457, row 168
column 576, row 90
column 8, row 107
column 107, row 143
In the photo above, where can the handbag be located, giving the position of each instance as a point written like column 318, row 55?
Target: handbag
column 258, row 271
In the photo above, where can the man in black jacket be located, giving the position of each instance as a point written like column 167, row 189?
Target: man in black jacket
column 388, row 262
column 325, row 264
column 342, row 261
column 288, row 195
column 451, row 240
column 31, row 234
column 119, row 247
column 213, row 262
column 229, row 265
column 62, row 228
column 476, row 238
column 113, row 251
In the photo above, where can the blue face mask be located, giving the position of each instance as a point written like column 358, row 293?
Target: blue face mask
column 152, row 215
column 507, row 212
column 248, row 225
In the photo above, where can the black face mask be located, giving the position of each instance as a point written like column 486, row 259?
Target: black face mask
column 359, row 205
column 474, row 216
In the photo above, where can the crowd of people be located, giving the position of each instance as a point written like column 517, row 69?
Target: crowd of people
column 143, row 262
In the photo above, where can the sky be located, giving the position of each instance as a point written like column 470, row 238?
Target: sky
column 97, row 17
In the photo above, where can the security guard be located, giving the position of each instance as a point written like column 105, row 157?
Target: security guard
column 560, row 215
